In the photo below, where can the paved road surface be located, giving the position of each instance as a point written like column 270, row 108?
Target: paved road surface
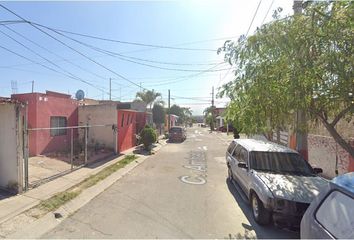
column 181, row 192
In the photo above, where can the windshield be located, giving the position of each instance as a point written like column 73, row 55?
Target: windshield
column 279, row 162
column 175, row 130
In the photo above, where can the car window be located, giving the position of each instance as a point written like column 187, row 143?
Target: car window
column 175, row 130
column 281, row 162
column 231, row 147
column 336, row 213
column 243, row 155
column 240, row 153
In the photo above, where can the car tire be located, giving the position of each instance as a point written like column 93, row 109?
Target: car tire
column 260, row 214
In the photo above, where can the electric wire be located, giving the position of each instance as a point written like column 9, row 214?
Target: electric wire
column 123, row 58
column 254, row 16
column 55, row 54
column 270, row 6
column 126, row 42
column 73, row 49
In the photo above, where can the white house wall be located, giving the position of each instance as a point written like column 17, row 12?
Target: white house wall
column 9, row 169
column 103, row 114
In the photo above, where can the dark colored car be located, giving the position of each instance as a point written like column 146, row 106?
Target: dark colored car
column 331, row 214
column 177, row 134
column 224, row 128
column 278, row 182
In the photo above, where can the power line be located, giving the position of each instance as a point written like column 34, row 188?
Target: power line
column 63, row 43
column 46, row 49
column 28, row 59
column 126, row 42
column 124, row 58
column 46, row 59
column 270, row 6
column 254, row 16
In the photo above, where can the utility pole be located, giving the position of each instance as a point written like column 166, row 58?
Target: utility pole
column 32, row 86
column 110, row 89
column 169, row 117
column 212, row 110
column 300, row 116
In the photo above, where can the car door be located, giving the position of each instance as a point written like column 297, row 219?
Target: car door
column 229, row 153
column 244, row 172
column 241, row 156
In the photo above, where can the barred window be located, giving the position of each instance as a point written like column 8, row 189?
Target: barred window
column 56, row 122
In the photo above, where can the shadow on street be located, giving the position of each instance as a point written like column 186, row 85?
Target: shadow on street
column 269, row 232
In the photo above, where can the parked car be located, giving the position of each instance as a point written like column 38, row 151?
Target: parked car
column 224, row 129
column 331, row 214
column 278, row 182
column 177, row 134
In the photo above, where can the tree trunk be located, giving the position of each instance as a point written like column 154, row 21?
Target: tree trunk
column 338, row 138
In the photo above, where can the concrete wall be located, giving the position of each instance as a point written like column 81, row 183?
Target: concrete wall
column 103, row 114
column 10, row 148
column 40, row 108
column 324, row 151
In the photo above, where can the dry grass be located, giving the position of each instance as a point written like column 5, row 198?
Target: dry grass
column 61, row 198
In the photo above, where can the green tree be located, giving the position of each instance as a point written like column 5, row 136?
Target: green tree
column 184, row 114
column 158, row 115
column 148, row 137
column 299, row 62
column 149, row 97
column 209, row 117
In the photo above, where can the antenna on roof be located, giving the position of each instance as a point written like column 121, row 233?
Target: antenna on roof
column 80, row 95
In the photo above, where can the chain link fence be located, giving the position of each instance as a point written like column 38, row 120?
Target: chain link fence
column 54, row 152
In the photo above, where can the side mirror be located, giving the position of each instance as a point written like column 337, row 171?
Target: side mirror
column 242, row 165
column 318, row 170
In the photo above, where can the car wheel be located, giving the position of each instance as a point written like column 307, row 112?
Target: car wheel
column 260, row 214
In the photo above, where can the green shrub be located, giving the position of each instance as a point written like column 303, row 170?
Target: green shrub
column 148, row 137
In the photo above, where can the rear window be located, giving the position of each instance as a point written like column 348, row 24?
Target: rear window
column 175, row 130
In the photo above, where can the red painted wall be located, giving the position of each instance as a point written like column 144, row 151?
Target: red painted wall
column 40, row 108
column 126, row 129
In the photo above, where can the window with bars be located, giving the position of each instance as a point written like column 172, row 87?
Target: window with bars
column 56, row 122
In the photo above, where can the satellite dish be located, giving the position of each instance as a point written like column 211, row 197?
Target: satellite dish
column 80, row 95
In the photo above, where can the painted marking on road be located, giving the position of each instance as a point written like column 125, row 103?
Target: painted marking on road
column 205, row 148
column 200, row 180
column 198, row 166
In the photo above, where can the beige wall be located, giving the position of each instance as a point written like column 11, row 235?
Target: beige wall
column 10, row 148
column 103, row 114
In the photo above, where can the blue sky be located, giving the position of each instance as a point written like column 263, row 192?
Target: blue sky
column 184, row 24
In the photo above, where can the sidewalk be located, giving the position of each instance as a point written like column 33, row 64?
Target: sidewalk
column 14, row 206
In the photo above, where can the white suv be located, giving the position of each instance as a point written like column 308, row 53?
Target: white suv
column 279, row 183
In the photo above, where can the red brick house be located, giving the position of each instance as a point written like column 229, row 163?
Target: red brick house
column 49, row 110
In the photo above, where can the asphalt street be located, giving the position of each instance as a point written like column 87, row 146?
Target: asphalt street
column 180, row 192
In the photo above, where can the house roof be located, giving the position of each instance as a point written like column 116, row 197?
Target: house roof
column 5, row 100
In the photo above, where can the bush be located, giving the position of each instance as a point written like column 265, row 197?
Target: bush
column 148, row 137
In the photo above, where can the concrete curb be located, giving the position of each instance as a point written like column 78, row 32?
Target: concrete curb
column 48, row 222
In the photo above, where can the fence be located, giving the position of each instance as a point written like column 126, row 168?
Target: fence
column 54, row 152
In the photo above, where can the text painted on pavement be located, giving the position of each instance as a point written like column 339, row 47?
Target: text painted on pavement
column 198, row 168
